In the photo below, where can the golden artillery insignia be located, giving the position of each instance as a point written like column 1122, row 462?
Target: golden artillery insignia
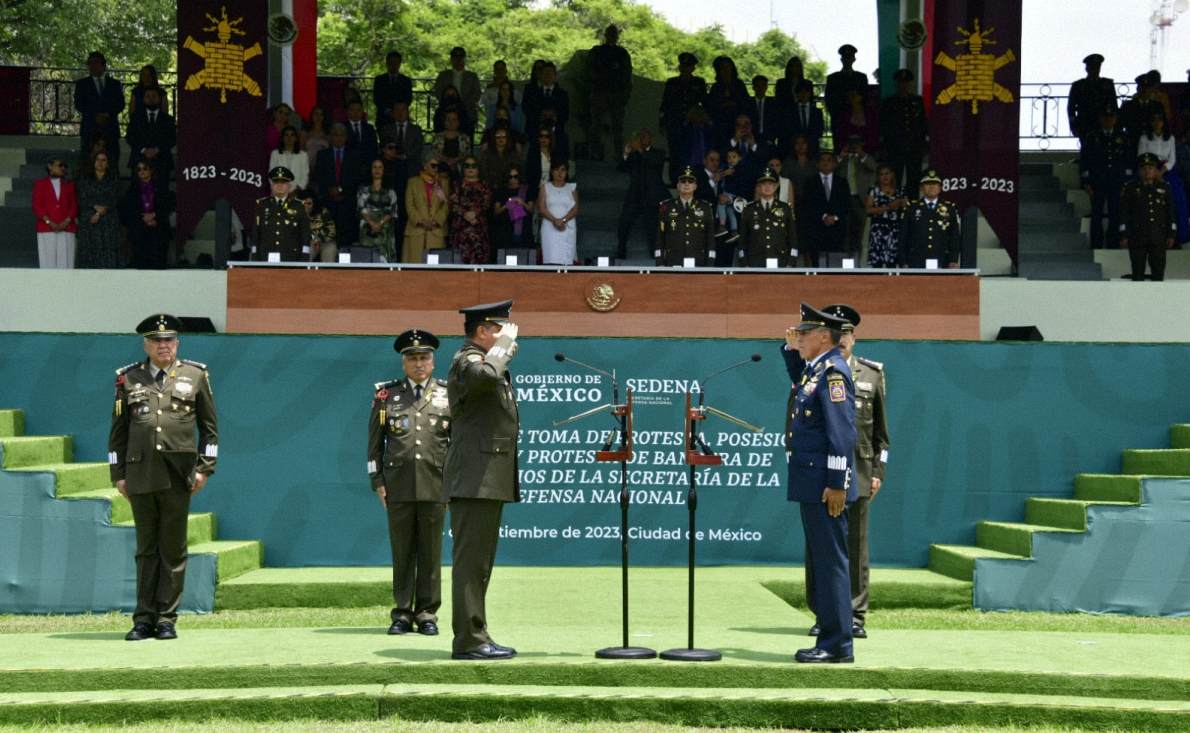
column 224, row 69
column 975, row 72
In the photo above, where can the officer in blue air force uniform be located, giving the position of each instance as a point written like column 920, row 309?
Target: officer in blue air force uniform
column 820, row 442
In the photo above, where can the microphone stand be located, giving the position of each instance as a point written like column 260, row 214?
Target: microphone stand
column 622, row 455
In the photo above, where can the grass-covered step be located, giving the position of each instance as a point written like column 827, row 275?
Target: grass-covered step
column 12, row 423
column 232, row 557
column 35, row 450
column 892, row 588
column 200, row 528
column 1179, row 436
column 958, row 561
column 1064, row 513
column 1014, row 538
column 1107, row 487
column 1159, row 462
column 121, row 510
column 71, row 478
column 314, row 587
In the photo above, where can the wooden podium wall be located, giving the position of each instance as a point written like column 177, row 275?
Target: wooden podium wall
column 548, row 303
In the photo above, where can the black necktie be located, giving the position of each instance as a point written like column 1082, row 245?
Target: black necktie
column 160, row 377
column 417, row 393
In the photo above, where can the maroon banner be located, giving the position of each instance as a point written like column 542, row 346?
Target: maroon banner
column 14, row 95
column 222, row 88
column 975, row 82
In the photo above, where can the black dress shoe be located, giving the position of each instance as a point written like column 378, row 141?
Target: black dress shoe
column 166, row 631
column 821, row 656
column 503, row 648
column 400, row 626
column 485, row 652
column 858, row 632
column 140, row 632
column 815, row 630
column 429, row 628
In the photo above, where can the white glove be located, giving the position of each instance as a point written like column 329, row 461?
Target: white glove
column 510, row 330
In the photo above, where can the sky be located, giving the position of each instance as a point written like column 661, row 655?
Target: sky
column 1056, row 34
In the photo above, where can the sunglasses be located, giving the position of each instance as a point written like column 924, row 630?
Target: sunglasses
column 470, row 165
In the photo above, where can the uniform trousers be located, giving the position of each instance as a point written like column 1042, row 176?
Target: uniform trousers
column 475, row 526
column 161, row 522
column 1155, row 255
column 55, row 250
column 1106, row 197
column 415, row 536
column 826, row 543
column 857, row 561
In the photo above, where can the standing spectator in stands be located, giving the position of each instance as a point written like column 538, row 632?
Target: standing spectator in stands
column 323, row 247
column 707, row 178
column 470, row 202
column 314, row 136
column 280, row 117
column 826, row 207
column 290, row 155
column 146, row 79
column 55, row 204
column 859, row 168
column 336, row 179
column 538, row 161
column 99, row 99
column 1105, row 164
column 838, row 85
column 645, row 166
column 510, row 213
column 753, row 154
column 682, row 94
column 350, row 94
column 428, row 207
column 557, row 202
column 1159, row 95
column 904, row 130
column 1162, row 145
column 98, row 239
column 491, row 93
column 785, row 96
column 1088, row 98
column 361, row 136
column 859, row 121
column 397, row 171
column 546, row 95
column 407, row 135
column 726, row 100
column 145, row 209
column 506, row 100
column 1184, row 109
column 885, row 205
column 465, row 82
column 557, row 132
column 800, row 167
column 784, row 185
column 807, row 117
column 377, row 207
column 696, row 139
column 610, row 70
column 152, row 135
column 763, row 111
column 498, row 158
column 1136, row 113
column 450, row 102
column 1147, row 220
column 452, row 143
column 391, row 86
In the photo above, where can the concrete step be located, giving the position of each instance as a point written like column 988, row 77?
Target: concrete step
column 19, row 199
column 1072, row 242
column 1037, row 209
column 1088, row 271
column 1047, row 195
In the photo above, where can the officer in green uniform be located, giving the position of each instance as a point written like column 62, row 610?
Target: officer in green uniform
column 157, row 465
column 768, row 227
column 930, row 228
column 687, row 226
column 871, row 457
column 481, row 469
column 282, row 225
column 408, row 431
column 904, row 131
column 1147, row 223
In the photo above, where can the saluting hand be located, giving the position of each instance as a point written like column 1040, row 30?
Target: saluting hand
column 510, row 330
column 791, row 338
column 835, row 500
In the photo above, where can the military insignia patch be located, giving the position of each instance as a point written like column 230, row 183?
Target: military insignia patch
column 838, row 392
column 474, row 358
column 382, row 394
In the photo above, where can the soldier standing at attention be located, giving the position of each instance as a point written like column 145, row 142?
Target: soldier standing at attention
column 687, row 226
column 481, row 469
column 904, row 131
column 838, row 85
column 682, row 93
column 408, row 432
column 1105, row 163
column 768, row 227
column 1088, row 97
column 1147, row 225
column 930, row 228
column 157, row 465
column 282, row 225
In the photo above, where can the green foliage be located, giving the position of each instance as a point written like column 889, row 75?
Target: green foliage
column 130, row 33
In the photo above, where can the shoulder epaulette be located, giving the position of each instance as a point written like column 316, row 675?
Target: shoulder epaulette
column 125, row 368
column 262, row 199
column 196, row 364
column 869, row 363
column 385, row 385
column 441, row 382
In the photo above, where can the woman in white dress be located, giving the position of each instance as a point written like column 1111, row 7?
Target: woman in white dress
column 558, row 205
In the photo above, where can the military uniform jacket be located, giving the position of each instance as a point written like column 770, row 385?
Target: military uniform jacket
column 681, row 96
column 281, row 226
column 903, row 125
column 1087, row 99
column 930, row 234
column 152, row 442
column 481, row 462
column 1146, row 214
column 767, row 234
column 871, row 422
column 821, row 429
column 1106, row 158
column 407, row 440
column 685, row 231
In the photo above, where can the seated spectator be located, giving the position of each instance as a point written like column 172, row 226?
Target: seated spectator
column 645, row 166
column 753, row 153
column 397, row 170
column 377, row 207
column 557, row 203
column 390, row 87
column 826, row 206
column 506, row 100
column 406, row 133
column 784, row 185
column 98, row 239
column 763, row 110
column 350, row 94
column 336, row 179
column 361, row 136
column 806, row 118
column 858, row 121
column 452, row 143
column 859, row 169
column 426, row 200
column 144, row 210
column 55, row 204
column 515, row 139
column 547, row 94
column 146, row 79
column 511, row 217
column 885, row 204
column 279, row 118
column 709, row 178
column 99, row 100
column 452, row 102
column 315, row 135
column 491, row 96
column 152, row 135
column 323, row 246
column 290, row 155
column 470, row 202
column 465, row 83
column 496, row 159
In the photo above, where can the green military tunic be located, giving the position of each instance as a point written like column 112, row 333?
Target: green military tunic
column 282, row 226
column 767, row 232
column 1148, row 223
column 407, row 441
column 686, row 229
column 929, row 233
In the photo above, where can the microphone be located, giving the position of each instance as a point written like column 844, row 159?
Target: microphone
column 702, row 382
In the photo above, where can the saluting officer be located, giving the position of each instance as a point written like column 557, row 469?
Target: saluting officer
column 768, row 227
column 1147, row 224
column 157, row 465
column 282, row 224
column 408, row 432
column 687, row 226
column 820, row 436
column 481, row 469
column 930, row 228
column 1105, row 163
column 905, row 130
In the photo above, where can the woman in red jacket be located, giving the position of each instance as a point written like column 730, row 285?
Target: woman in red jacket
column 55, row 205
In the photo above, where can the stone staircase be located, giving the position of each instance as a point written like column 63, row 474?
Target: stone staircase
column 1052, row 245
column 601, row 198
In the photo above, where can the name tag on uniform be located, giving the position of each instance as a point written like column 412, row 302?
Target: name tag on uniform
column 274, row 256
column 848, row 263
column 770, row 263
column 687, row 262
column 931, row 264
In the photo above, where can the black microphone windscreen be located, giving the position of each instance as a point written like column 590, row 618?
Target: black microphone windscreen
column 559, row 356
column 756, row 357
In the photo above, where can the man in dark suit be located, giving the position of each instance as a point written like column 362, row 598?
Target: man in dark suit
column 152, row 135
column 765, row 119
column 99, row 98
column 682, row 93
column 465, row 82
column 546, row 95
column 827, row 203
column 707, row 177
column 644, row 165
column 806, row 117
column 336, row 178
column 361, row 136
column 390, row 87
column 406, row 133
column 754, row 155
